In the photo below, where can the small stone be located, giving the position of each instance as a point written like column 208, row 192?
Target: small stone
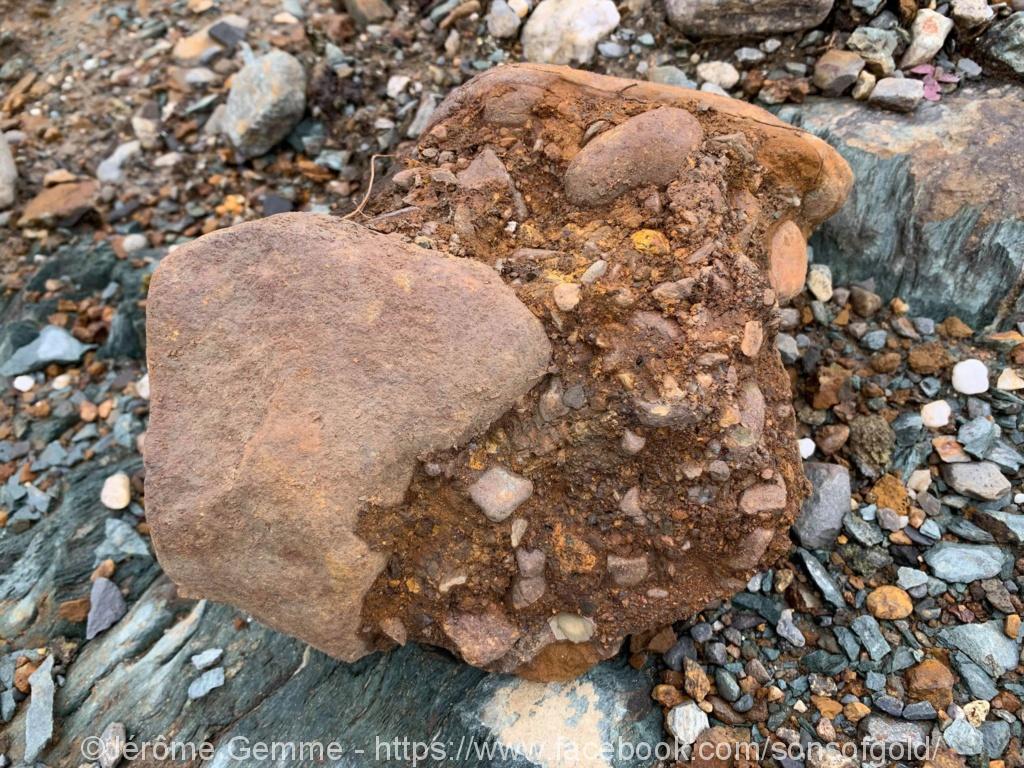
column 963, row 738
column 39, row 719
column 8, row 174
column 52, row 345
column 117, row 491
column 970, row 377
column 899, row 94
column 112, row 744
column 1009, row 380
column 686, row 723
column 928, row 34
column 821, row 516
column 753, row 338
column 567, row 296
column 819, row 281
column 871, row 636
column 971, row 14
column 106, row 607
column 889, row 602
column 1012, row 626
column 206, row 659
column 502, row 21
column 627, row 571
column 499, row 493
column 936, row 415
column 985, row 644
column 837, row 70
column 563, row 31
column 572, row 627
column 806, row 447
column 979, row 480
column 891, row 735
column 267, row 99
column 632, row 443
column 655, row 146
column 111, row 170
column 787, row 629
column 865, row 303
column 721, row 73
column 24, row 383
column 864, row 86
column 206, row 682
column 976, row 712
column 964, row 563
column 134, row 243
column 787, row 256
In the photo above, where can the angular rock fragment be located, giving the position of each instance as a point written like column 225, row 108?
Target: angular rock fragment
column 390, row 444
column 267, row 99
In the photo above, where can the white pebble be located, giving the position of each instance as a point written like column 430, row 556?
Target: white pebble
column 134, row 243
column 1018, row 498
column 117, row 491
column 24, row 383
column 807, row 447
column 142, row 387
column 936, row 414
column 970, row 377
column 62, row 382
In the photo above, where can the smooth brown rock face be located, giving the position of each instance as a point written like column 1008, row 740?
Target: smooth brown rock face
column 299, row 366
column 631, row 458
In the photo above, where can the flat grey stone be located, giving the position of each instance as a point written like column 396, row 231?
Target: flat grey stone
column 979, row 480
column 206, row 682
column 39, row 720
column 963, row 738
column 106, row 607
column 52, row 345
column 821, row 517
column 986, row 645
column 954, row 562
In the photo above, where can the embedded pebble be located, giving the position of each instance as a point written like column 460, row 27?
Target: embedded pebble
column 117, row 491
column 499, row 493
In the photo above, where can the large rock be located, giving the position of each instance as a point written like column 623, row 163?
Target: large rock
column 267, row 99
column 311, row 362
column 936, row 216
column 742, row 18
column 351, row 402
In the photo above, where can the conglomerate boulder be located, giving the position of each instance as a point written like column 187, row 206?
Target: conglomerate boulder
column 530, row 405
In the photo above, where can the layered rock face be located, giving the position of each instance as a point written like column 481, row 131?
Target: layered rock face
column 530, row 406
column 954, row 235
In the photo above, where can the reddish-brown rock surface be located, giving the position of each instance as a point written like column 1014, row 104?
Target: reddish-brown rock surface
column 577, row 430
